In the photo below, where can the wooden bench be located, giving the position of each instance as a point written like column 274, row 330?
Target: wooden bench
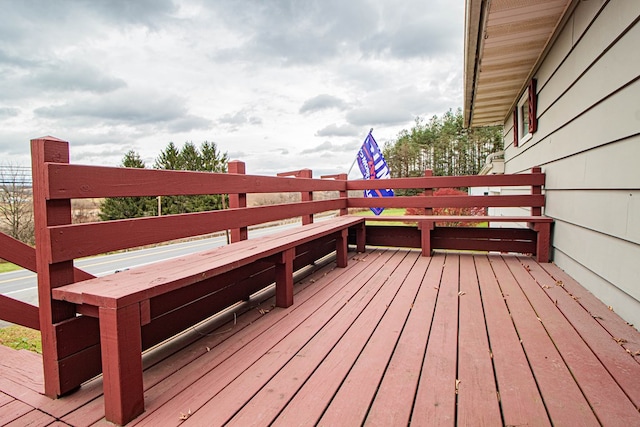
column 122, row 301
column 533, row 238
column 89, row 323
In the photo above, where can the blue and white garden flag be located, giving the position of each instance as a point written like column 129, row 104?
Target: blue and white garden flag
column 373, row 166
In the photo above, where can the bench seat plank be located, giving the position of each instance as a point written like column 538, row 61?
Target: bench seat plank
column 142, row 283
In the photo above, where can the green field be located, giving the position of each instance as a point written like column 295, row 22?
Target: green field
column 7, row 266
column 21, row 338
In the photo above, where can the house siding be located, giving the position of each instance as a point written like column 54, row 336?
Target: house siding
column 588, row 144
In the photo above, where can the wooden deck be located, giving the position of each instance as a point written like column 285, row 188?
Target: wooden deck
column 394, row 338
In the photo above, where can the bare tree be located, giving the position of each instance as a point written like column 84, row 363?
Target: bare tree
column 16, row 206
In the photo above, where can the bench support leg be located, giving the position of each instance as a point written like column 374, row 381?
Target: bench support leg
column 284, row 279
column 341, row 248
column 361, row 237
column 426, row 227
column 121, row 342
column 543, row 240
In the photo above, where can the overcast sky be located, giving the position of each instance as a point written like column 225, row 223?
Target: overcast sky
column 279, row 84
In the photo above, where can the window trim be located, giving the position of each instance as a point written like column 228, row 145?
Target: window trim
column 529, row 98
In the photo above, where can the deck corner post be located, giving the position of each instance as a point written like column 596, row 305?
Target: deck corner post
column 48, row 212
column 284, row 279
column 536, row 189
column 237, row 200
column 121, row 343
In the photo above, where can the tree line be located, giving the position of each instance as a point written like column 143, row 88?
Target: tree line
column 206, row 158
column 443, row 145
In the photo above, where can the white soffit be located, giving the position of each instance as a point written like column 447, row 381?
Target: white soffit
column 504, row 41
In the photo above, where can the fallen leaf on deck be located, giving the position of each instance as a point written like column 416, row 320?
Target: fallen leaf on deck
column 559, row 283
column 208, row 349
column 457, row 385
column 610, row 308
column 184, row 416
column 620, row 340
column 461, row 293
column 595, row 316
column 545, row 287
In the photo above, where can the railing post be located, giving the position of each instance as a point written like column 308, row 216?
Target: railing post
column 305, row 196
column 237, row 200
column 344, row 194
column 428, row 192
column 49, row 213
column 536, row 189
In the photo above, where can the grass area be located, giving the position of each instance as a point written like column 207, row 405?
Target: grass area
column 21, row 338
column 5, row 267
column 386, row 212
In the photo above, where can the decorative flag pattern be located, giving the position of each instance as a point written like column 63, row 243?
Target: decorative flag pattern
column 373, row 166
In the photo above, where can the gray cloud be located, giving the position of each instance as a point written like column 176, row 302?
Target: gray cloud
column 6, row 112
column 127, row 107
column 329, row 147
column 73, row 77
column 338, row 130
column 322, row 102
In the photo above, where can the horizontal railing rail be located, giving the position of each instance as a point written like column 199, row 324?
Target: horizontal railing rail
column 67, row 181
column 70, row 241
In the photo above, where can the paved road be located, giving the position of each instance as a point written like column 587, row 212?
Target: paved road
column 22, row 284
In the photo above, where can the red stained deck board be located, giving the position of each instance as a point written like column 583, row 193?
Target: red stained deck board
column 477, row 394
column 228, row 366
column 562, row 397
column 309, row 403
column 606, row 316
column 605, row 397
column 435, row 402
column 171, row 376
column 394, row 399
column 12, row 411
column 34, row 418
column 352, row 401
column 304, row 347
column 520, row 399
column 4, row 399
column 620, row 364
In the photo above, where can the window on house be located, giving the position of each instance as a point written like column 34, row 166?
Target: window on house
column 525, row 122
column 523, row 118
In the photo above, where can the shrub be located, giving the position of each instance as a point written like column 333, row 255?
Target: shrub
column 450, row 211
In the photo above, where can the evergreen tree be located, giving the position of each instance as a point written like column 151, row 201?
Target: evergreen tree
column 205, row 159
column 128, row 207
column 443, row 145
